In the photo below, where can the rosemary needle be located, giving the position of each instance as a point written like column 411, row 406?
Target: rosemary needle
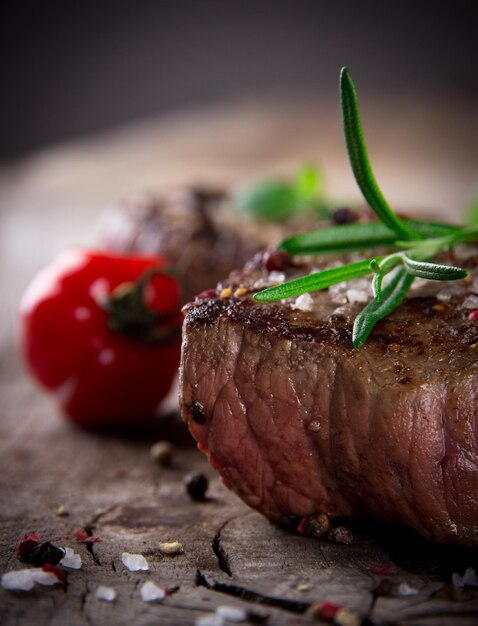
column 415, row 243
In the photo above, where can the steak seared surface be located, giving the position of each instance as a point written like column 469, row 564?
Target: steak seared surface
column 298, row 422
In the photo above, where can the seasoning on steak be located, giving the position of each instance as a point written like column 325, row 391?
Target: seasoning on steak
column 297, row 422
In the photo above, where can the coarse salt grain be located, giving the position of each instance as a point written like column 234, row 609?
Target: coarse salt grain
column 44, row 578
column 357, row 296
column 231, row 613
column 303, row 303
column 71, row 559
column 134, row 562
column 105, row 593
column 470, row 578
column 276, row 277
column 404, row 589
column 150, row 592
column 470, row 302
column 457, row 581
column 210, row 619
column 24, row 579
column 19, row 580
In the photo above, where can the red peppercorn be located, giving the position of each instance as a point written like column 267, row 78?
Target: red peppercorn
column 54, row 569
column 382, row 571
column 275, row 260
column 25, row 545
column 327, row 610
column 208, row 293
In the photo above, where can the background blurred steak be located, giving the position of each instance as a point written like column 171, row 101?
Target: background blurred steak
column 298, row 422
column 197, row 229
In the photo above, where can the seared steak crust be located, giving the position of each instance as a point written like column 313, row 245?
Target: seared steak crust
column 298, row 422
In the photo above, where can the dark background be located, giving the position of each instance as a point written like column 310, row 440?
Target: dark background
column 70, row 68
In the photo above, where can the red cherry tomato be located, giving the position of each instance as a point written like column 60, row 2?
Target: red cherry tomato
column 102, row 333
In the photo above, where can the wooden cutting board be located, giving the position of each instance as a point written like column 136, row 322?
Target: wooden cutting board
column 426, row 157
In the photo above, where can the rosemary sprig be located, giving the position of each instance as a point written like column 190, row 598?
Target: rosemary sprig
column 417, row 242
column 378, row 308
column 351, row 237
column 360, row 162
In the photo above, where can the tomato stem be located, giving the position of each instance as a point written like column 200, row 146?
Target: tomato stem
column 128, row 313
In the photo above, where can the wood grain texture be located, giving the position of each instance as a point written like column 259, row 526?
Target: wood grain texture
column 231, row 554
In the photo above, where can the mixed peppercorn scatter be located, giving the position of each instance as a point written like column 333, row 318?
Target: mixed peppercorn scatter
column 334, row 614
column 171, row 548
column 62, row 511
column 85, row 537
column 30, row 549
column 196, row 486
column 162, row 453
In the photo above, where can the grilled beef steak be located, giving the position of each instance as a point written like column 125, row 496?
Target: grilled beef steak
column 297, row 422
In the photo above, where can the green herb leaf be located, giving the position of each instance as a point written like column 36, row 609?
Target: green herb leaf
column 309, row 184
column 314, row 282
column 433, row 271
column 277, row 201
column 360, row 162
column 350, row 237
column 270, row 200
column 471, row 211
column 375, row 310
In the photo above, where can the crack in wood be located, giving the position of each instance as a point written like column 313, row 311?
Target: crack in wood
column 96, row 518
column 247, row 595
column 89, row 547
column 218, row 549
column 83, row 597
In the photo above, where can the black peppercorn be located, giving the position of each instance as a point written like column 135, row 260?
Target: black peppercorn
column 46, row 552
column 343, row 215
column 317, row 525
column 340, row 534
column 196, row 486
column 197, row 412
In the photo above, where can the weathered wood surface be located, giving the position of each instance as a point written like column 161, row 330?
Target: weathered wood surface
column 231, row 554
column 112, row 485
